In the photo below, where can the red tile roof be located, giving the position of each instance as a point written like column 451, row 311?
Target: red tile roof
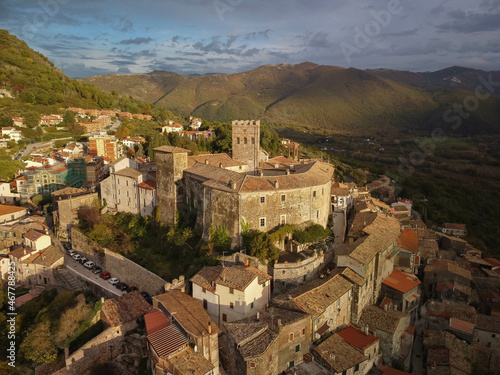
column 409, row 240
column 401, row 281
column 355, row 337
column 494, row 262
column 155, row 320
column 5, row 209
column 454, row 226
column 148, row 184
column 168, row 340
column 33, row 235
column 462, row 326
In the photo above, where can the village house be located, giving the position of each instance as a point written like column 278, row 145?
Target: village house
column 6, row 194
column 232, row 293
column 219, row 161
column 487, row 331
column 12, row 234
column 195, row 135
column 190, row 318
column 12, row 133
column 366, row 344
column 172, row 128
column 340, row 358
column 442, row 273
column 328, row 301
column 66, row 203
column 177, row 357
column 11, row 213
column 408, row 257
column 446, row 354
column 130, row 142
column 389, row 326
column 287, row 335
column 454, row 229
column 401, row 291
column 19, row 122
column 454, row 317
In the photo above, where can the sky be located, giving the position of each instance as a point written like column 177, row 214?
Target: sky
column 98, row 37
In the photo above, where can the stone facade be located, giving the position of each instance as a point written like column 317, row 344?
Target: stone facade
column 67, row 209
column 246, row 141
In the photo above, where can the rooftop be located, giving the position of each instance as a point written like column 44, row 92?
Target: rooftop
column 215, row 160
column 450, row 309
column 187, row 362
column 171, row 149
column 33, row 235
column 237, row 277
column 128, row 172
column 155, row 320
column 68, row 191
column 125, row 308
column 148, row 185
column 377, row 318
column 353, row 336
column 409, row 240
column 168, row 340
column 46, row 257
column 448, row 266
column 488, row 323
column 338, row 354
column 401, row 281
column 454, row 226
column 386, row 370
column 189, row 312
column 6, row 209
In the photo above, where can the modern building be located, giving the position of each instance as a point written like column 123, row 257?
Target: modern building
column 104, row 145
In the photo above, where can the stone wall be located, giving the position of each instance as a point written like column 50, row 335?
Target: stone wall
column 246, row 142
column 290, row 275
column 119, row 266
column 67, row 209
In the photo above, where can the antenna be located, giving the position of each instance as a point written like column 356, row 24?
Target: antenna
column 62, row 66
column 223, row 258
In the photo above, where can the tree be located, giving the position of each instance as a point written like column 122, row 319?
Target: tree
column 89, row 216
column 69, row 118
column 219, row 239
column 122, row 132
column 38, row 345
column 260, row 245
column 6, row 120
column 140, row 151
column 31, row 119
column 102, row 234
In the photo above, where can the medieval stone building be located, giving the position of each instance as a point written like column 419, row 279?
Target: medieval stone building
column 217, row 195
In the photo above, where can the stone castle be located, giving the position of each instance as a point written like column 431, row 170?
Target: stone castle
column 219, row 190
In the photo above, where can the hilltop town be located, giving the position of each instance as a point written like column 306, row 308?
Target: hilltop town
column 303, row 273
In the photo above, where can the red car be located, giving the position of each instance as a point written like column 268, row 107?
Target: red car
column 105, row 275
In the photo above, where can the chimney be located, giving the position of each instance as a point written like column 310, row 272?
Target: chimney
column 386, row 306
column 287, row 172
column 232, row 183
column 245, row 262
column 279, row 322
column 366, row 330
column 276, row 184
column 209, row 328
column 267, row 307
column 258, row 316
column 220, row 165
column 206, row 161
column 261, row 173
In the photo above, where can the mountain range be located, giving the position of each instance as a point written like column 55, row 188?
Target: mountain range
column 320, row 98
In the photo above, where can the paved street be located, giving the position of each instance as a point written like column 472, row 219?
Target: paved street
column 88, row 275
column 418, row 351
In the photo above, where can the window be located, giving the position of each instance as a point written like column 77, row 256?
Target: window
column 224, row 317
column 344, row 372
column 245, row 141
column 314, row 194
column 231, row 305
column 282, row 219
column 262, row 199
column 283, row 197
column 252, row 364
column 366, row 283
column 356, row 368
column 205, row 304
column 253, row 140
column 338, row 304
column 297, row 348
column 303, row 331
column 251, row 305
column 317, row 214
column 203, row 290
column 270, row 358
column 371, row 276
column 291, row 337
column 262, row 222
column 264, row 284
column 238, row 140
column 231, row 290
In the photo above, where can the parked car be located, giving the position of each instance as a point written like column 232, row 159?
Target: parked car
column 77, row 257
column 121, row 286
column 105, row 275
column 82, row 260
column 131, row 289
column 89, row 264
column 114, row 281
column 96, row 270
column 67, row 246
column 71, row 252
column 147, row 297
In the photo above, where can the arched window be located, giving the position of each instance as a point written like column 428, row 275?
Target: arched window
column 245, row 141
column 238, row 140
column 253, row 140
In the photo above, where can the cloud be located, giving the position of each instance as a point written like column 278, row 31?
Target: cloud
column 138, row 40
column 123, row 25
column 471, row 22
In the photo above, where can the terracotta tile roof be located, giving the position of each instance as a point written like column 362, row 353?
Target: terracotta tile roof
column 386, row 370
column 148, row 185
column 488, row 323
column 215, row 160
column 454, row 285
column 353, row 276
column 386, row 302
column 46, row 257
column 68, row 191
column 21, row 252
column 155, row 320
column 128, row 172
column 189, row 312
column 401, row 281
column 379, row 319
column 409, row 240
column 361, row 220
column 237, row 277
column 462, row 326
column 259, row 345
column 338, row 354
column 168, row 340
column 449, row 354
column 428, row 248
column 382, row 232
column 494, row 262
column 340, row 192
column 454, row 226
column 125, row 308
column 188, row 362
column 281, row 160
column 450, row 309
column 353, row 336
column 448, row 266
column 245, row 330
column 171, row 149
column 317, row 300
column 5, row 209
column 33, row 235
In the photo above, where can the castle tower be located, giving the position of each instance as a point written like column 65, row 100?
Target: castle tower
column 246, row 142
column 170, row 163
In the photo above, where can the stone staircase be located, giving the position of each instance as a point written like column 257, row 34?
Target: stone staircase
column 67, row 280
